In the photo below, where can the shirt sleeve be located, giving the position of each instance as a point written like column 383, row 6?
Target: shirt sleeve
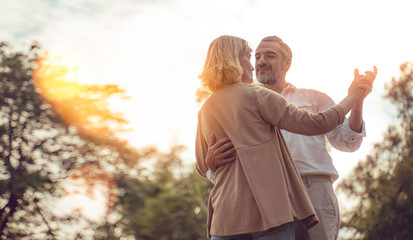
column 342, row 138
column 210, row 175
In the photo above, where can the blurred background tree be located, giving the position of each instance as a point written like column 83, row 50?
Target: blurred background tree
column 57, row 141
column 169, row 204
column 382, row 185
column 80, row 105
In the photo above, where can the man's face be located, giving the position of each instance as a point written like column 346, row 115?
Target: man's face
column 269, row 63
column 245, row 61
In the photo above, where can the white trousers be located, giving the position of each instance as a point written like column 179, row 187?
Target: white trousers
column 321, row 192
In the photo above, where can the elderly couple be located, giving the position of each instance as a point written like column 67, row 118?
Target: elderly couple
column 264, row 147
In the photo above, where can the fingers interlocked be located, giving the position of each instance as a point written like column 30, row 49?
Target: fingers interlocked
column 365, row 82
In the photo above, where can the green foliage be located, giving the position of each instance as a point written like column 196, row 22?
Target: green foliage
column 173, row 213
column 21, row 113
column 40, row 151
column 382, row 185
column 169, row 204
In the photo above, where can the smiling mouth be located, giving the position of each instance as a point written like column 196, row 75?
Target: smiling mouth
column 264, row 67
column 263, row 70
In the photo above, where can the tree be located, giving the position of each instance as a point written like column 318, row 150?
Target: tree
column 52, row 148
column 168, row 204
column 382, row 185
column 40, row 148
column 19, row 104
column 176, row 206
column 80, row 105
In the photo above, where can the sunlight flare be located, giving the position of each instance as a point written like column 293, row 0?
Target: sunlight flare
column 90, row 191
column 84, row 106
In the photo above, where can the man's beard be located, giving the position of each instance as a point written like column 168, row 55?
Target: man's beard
column 270, row 79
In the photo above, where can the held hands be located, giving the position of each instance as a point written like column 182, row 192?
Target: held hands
column 219, row 152
column 362, row 84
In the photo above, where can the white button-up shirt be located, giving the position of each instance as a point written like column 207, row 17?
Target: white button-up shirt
column 310, row 152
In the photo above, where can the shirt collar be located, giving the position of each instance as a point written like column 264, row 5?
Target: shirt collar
column 288, row 88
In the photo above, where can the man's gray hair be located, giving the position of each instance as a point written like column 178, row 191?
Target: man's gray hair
column 285, row 49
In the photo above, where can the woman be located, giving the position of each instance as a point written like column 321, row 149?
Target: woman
column 260, row 194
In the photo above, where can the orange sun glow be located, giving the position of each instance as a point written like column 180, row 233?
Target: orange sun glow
column 83, row 106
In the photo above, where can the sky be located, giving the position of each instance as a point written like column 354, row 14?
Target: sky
column 154, row 49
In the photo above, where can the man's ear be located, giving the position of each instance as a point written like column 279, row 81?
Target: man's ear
column 287, row 65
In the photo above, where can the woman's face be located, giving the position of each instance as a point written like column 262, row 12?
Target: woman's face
column 245, row 61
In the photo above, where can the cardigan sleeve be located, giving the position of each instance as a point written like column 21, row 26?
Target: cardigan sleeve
column 275, row 110
column 201, row 148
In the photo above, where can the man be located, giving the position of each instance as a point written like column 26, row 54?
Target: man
column 273, row 59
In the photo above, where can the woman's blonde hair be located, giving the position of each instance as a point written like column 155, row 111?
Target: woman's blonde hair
column 222, row 66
